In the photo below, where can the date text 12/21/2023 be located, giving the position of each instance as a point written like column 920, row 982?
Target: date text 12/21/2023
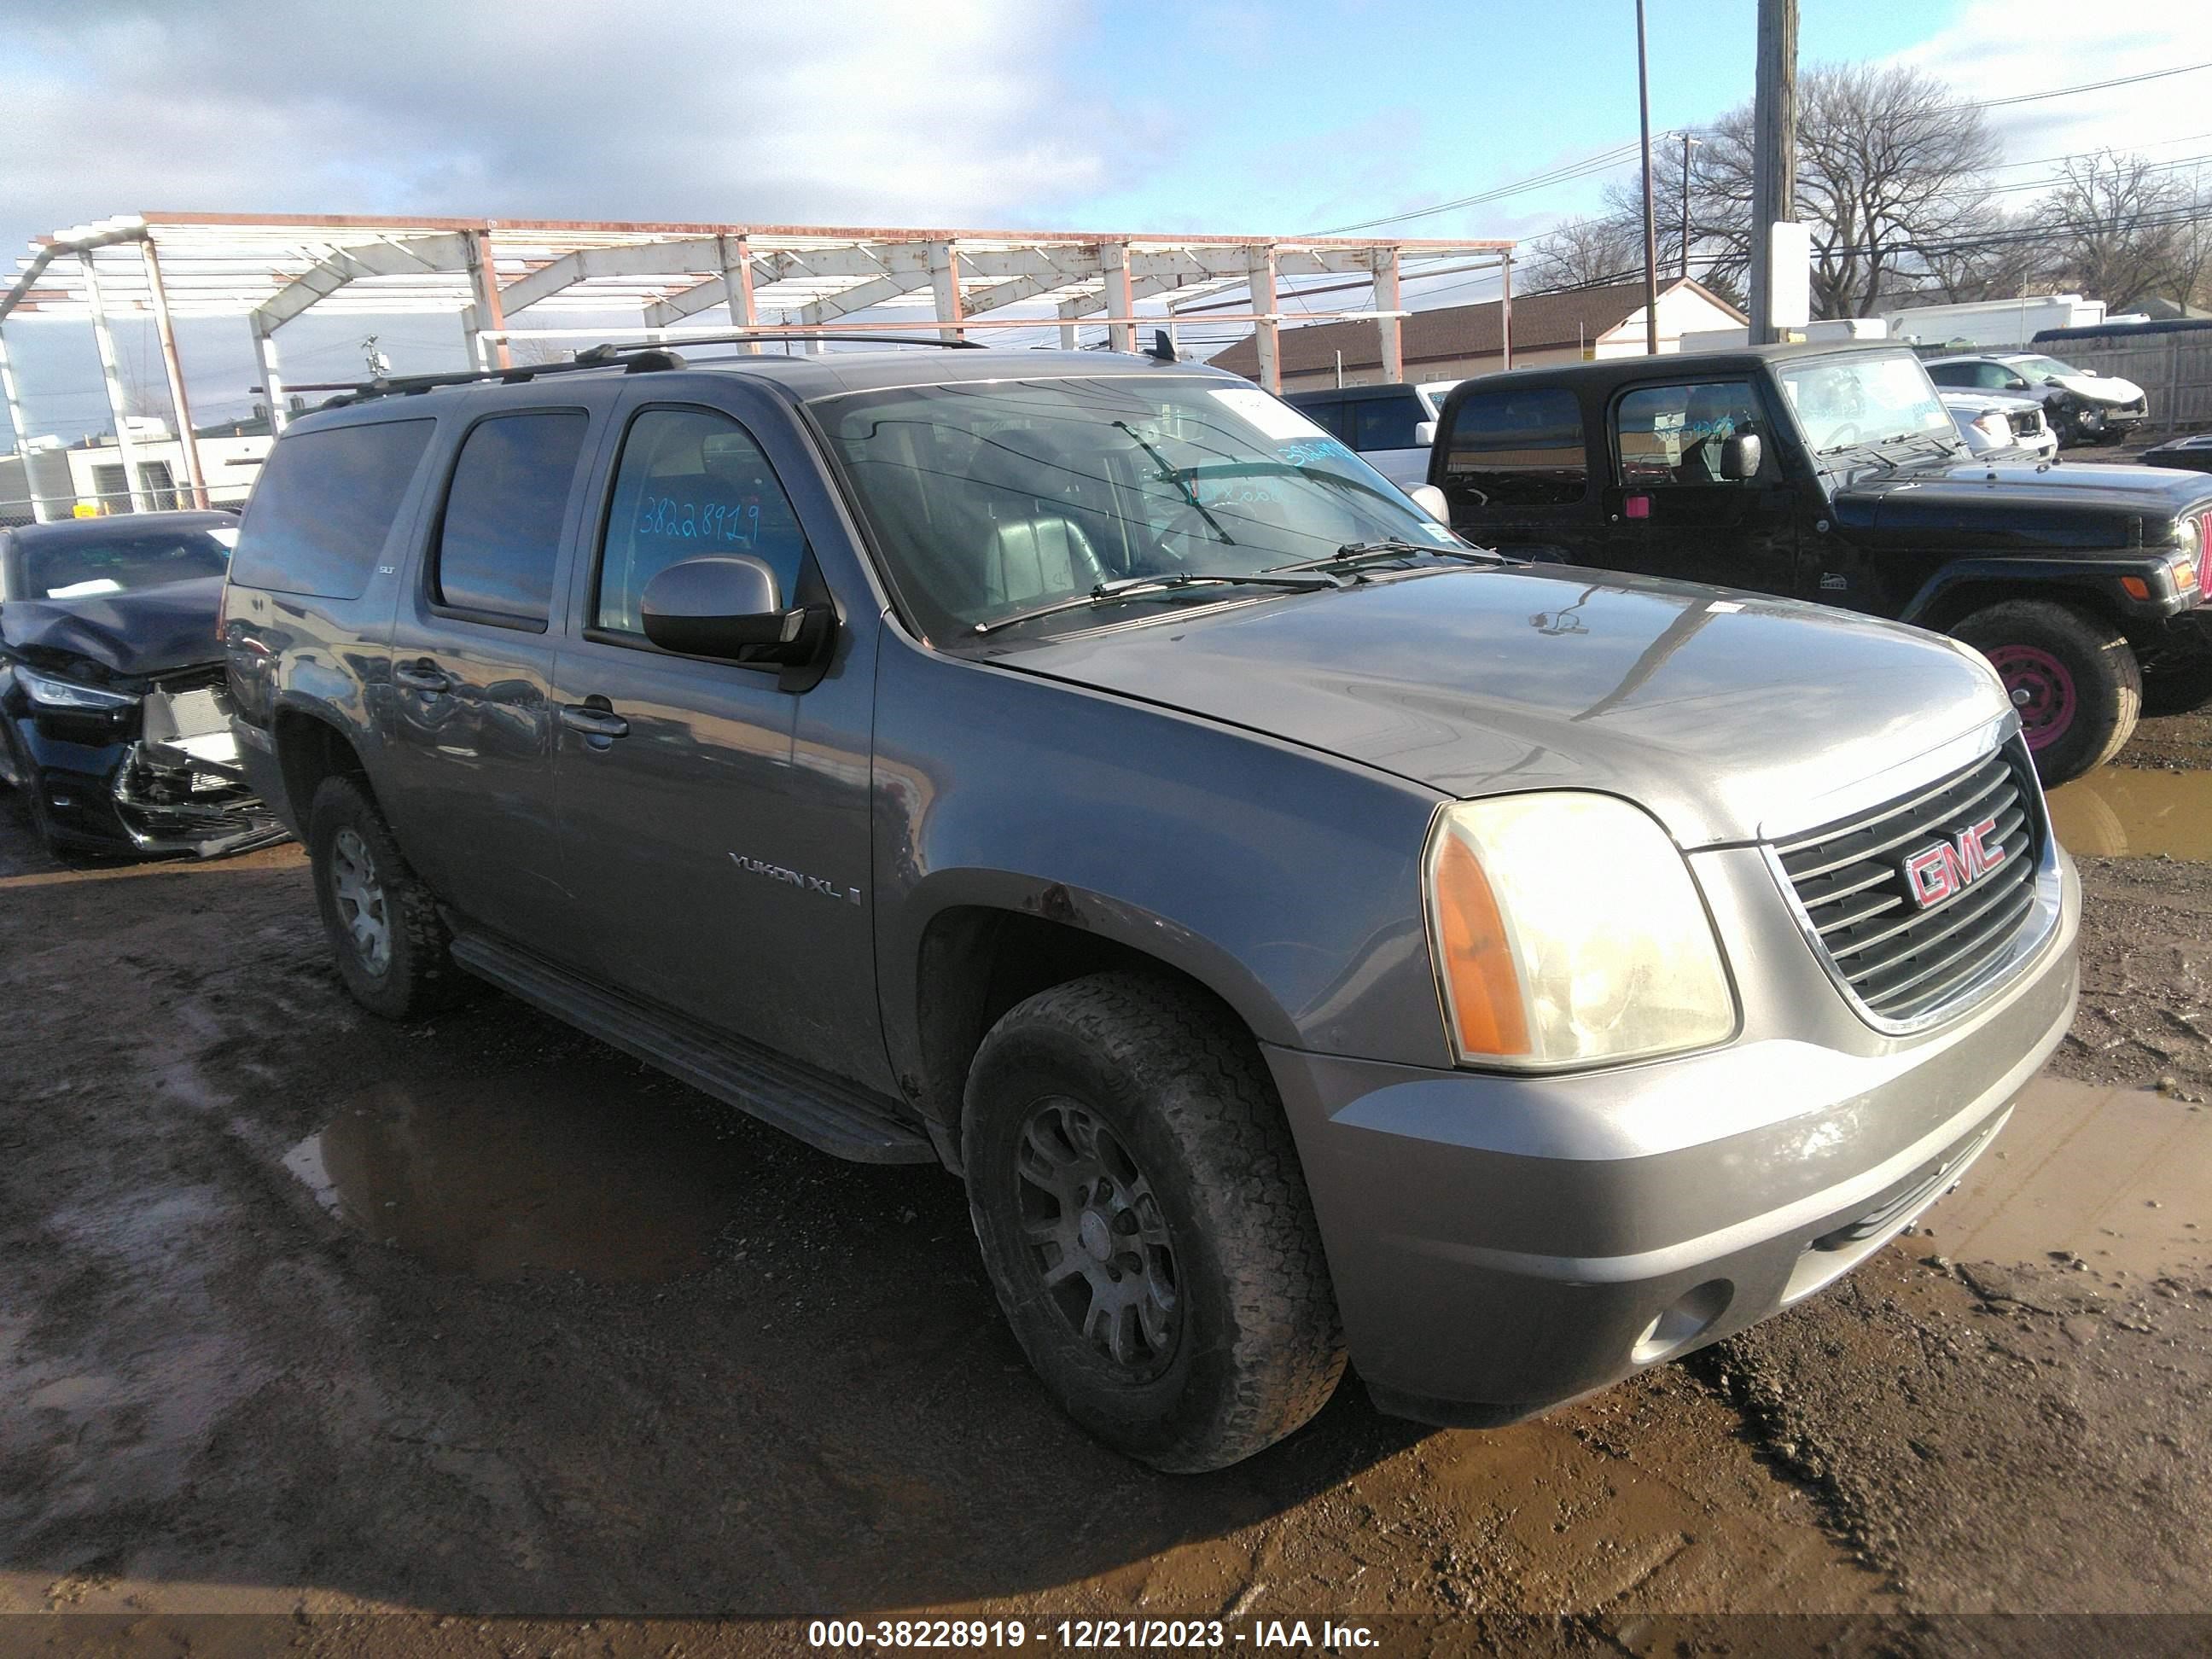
column 1138, row 1635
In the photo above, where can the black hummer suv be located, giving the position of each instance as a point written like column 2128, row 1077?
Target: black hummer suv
column 1834, row 474
column 1085, row 772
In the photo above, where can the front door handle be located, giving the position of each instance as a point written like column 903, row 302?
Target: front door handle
column 593, row 722
column 422, row 676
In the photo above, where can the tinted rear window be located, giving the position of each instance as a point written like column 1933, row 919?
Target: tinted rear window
column 502, row 530
column 1516, row 448
column 324, row 506
column 1387, row 423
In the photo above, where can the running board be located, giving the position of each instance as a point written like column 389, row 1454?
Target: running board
column 830, row 1113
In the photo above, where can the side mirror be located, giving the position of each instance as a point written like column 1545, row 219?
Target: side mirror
column 728, row 607
column 1739, row 456
column 1425, row 434
column 1430, row 500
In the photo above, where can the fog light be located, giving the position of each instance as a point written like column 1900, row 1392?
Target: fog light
column 1691, row 1315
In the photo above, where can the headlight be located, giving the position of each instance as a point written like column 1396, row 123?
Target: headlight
column 1566, row 931
column 1994, row 426
column 49, row 693
column 2188, row 537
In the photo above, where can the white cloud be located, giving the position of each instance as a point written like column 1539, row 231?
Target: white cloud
column 956, row 112
column 2003, row 48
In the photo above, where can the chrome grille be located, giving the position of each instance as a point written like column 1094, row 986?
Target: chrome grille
column 1900, row 959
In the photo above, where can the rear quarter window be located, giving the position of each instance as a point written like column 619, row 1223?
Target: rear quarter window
column 1517, row 448
column 324, row 507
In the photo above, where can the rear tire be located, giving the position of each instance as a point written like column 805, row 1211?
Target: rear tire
column 2073, row 677
column 1145, row 1222
column 393, row 950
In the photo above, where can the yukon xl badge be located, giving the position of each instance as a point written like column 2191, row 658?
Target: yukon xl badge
column 798, row 879
column 1936, row 873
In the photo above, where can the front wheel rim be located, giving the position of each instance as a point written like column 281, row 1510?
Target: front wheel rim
column 2042, row 690
column 1094, row 1234
column 360, row 894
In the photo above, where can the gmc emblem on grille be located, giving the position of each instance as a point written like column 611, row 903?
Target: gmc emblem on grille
column 1934, row 873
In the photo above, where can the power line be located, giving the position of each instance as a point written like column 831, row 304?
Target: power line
column 2086, row 86
column 1564, row 173
column 1567, row 173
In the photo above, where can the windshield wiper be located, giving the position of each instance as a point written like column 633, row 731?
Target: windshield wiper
column 1130, row 586
column 1353, row 555
column 1170, row 475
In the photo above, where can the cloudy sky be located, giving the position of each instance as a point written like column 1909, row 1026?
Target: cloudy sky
column 1218, row 115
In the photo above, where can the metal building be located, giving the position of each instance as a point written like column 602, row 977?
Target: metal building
column 505, row 280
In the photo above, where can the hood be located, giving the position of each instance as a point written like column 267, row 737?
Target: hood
column 2100, row 388
column 1725, row 715
column 1984, row 401
column 1970, row 506
column 152, row 630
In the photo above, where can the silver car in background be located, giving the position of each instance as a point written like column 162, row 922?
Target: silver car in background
column 1999, row 427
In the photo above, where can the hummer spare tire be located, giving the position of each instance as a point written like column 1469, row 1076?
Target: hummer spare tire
column 2072, row 675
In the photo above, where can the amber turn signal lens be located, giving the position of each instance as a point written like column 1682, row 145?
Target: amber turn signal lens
column 1478, row 959
column 2136, row 586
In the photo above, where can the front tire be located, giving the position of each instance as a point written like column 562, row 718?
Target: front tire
column 2072, row 675
column 392, row 948
column 1145, row 1222
column 30, row 787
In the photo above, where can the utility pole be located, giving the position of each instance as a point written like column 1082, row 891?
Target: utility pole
column 1651, row 227
column 1687, row 142
column 1774, row 153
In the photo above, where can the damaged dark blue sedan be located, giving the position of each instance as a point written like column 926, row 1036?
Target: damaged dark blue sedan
column 114, row 731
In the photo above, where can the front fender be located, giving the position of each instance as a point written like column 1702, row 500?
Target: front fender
column 1942, row 598
column 1284, row 880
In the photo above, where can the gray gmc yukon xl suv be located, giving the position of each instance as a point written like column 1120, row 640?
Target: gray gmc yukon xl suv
column 1308, row 937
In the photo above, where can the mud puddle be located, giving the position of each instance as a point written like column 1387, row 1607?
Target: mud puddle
column 2118, row 1178
column 2121, row 812
column 590, row 1170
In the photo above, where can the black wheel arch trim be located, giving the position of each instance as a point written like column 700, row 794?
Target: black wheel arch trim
column 2094, row 579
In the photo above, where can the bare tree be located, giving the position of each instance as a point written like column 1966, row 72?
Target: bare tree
column 2115, row 223
column 1584, row 253
column 2005, row 257
column 1890, row 169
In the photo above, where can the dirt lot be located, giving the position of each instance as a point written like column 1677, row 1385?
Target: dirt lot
column 305, row 1313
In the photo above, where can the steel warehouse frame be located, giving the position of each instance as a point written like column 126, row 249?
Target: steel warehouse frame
column 273, row 269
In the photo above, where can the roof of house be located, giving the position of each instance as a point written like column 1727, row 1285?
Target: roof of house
column 1540, row 322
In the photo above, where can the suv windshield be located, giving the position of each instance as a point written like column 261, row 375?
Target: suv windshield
column 79, row 567
column 1841, row 402
column 988, row 498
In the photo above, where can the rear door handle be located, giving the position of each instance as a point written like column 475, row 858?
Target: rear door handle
column 593, row 722
column 422, row 676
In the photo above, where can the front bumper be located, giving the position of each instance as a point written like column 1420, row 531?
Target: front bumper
column 1501, row 1245
column 144, row 782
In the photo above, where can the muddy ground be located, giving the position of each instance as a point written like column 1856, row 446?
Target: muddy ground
column 306, row 1314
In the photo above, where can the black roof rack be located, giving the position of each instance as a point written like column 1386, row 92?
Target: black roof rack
column 640, row 358
column 612, row 350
